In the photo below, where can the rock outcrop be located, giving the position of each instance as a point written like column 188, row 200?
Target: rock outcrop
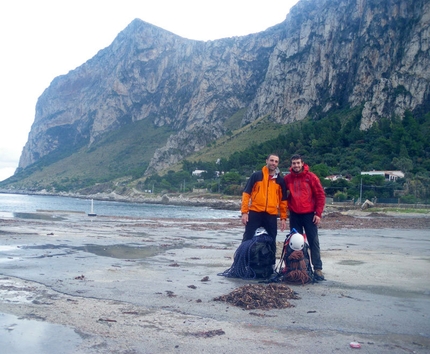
column 327, row 54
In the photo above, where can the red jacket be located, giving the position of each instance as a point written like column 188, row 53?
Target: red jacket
column 306, row 194
column 262, row 194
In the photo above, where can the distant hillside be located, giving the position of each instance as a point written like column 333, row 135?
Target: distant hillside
column 114, row 157
column 152, row 99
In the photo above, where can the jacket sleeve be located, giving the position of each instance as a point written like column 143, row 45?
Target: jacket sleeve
column 245, row 203
column 319, row 194
column 283, row 205
column 246, row 195
column 283, row 209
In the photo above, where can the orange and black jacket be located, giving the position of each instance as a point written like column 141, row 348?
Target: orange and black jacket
column 262, row 194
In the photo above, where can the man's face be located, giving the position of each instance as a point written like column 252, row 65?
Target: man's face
column 272, row 162
column 297, row 165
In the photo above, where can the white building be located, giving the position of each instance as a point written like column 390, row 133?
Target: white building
column 198, row 172
column 388, row 175
column 334, row 177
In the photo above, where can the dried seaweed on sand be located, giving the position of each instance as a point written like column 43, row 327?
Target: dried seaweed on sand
column 260, row 296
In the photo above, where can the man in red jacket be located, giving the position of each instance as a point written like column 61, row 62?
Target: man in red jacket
column 306, row 200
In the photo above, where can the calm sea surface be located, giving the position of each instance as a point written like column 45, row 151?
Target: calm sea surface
column 19, row 203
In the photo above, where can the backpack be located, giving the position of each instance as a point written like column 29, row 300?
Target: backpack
column 296, row 263
column 253, row 259
column 262, row 256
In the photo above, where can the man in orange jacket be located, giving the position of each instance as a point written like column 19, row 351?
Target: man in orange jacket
column 306, row 200
column 263, row 199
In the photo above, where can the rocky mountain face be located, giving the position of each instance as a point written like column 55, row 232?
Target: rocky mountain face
column 337, row 53
column 327, row 54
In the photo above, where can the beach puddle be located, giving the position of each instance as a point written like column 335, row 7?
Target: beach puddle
column 23, row 336
column 113, row 251
column 350, row 262
column 37, row 216
column 123, row 251
column 394, row 292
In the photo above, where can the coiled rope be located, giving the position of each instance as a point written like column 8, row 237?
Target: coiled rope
column 242, row 258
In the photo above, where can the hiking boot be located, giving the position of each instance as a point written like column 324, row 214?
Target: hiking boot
column 319, row 274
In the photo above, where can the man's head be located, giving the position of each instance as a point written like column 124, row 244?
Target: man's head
column 272, row 162
column 297, row 163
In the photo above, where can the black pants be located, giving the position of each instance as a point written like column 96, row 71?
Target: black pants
column 263, row 219
column 305, row 221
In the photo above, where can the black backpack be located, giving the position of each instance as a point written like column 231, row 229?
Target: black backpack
column 262, row 256
column 296, row 265
column 253, row 259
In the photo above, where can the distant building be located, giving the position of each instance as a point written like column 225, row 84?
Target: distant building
column 388, row 175
column 198, row 172
column 334, row 177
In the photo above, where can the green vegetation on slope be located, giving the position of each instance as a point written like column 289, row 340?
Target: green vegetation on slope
column 123, row 152
column 255, row 133
column 331, row 145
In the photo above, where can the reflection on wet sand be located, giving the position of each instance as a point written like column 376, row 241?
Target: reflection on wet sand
column 142, row 285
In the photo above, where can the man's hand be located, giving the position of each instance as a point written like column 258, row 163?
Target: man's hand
column 244, row 219
column 283, row 224
column 316, row 219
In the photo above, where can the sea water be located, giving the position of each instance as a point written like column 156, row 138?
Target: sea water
column 22, row 203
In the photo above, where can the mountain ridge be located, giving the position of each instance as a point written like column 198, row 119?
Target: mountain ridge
column 326, row 55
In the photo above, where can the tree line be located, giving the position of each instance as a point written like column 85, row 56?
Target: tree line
column 333, row 145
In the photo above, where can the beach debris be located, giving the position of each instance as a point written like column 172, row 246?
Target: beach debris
column 260, row 296
column 367, row 204
column 377, row 215
column 208, row 334
column 355, row 345
column 80, row 277
column 174, row 265
column 334, row 214
column 261, row 314
column 106, row 320
column 192, row 286
column 170, row 293
column 206, row 278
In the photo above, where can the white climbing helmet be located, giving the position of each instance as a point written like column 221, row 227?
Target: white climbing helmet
column 297, row 242
column 260, row 231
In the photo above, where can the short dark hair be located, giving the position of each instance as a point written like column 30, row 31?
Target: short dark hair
column 273, row 154
column 296, row 157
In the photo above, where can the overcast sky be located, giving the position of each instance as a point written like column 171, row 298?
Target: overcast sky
column 42, row 39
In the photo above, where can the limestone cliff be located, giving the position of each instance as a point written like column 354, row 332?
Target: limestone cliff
column 327, row 54
column 337, row 52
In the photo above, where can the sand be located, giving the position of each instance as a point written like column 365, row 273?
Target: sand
column 74, row 284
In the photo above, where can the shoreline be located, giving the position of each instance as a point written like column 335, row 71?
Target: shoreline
column 210, row 200
column 188, row 199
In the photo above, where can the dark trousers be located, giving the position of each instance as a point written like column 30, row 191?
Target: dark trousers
column 263, row 219
column 305, row 222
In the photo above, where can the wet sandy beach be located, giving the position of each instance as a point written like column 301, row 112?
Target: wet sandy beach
column 74, row 284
